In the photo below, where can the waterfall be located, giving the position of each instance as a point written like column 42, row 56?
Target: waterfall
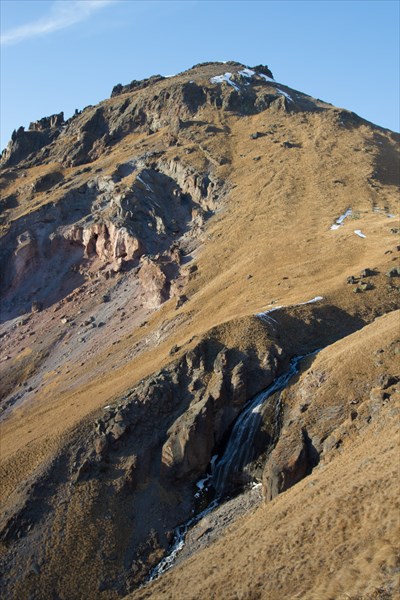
column 239, row 451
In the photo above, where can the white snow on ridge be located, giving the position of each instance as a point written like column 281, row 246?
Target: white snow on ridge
column 225, row 77
column 340, row 220
column 266, row 312
column 266, row 77
column 359, row 233
column 316, row 299
column 265, row 315
column 247, row 72
column 285, row 94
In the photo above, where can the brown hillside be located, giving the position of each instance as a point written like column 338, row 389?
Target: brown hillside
column 140, row 240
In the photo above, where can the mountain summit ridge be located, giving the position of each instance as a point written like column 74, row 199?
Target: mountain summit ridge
column 141, row 110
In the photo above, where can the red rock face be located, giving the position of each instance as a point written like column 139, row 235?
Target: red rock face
column 105, row 241
column 154, row 283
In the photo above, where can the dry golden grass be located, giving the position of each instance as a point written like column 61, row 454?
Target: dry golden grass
column 268, row 244
column 273, row 225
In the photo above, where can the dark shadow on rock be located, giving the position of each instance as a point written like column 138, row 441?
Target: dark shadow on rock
column 386, row 164
column 311, row 453
column 8, row 202
column 304, row 329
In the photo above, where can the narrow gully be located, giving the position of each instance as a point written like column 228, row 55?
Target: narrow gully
column 237, row 455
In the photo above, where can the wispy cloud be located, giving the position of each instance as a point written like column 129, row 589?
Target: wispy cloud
column 62, row 14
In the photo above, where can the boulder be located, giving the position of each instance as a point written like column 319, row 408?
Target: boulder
column 154, row 283
column 36, row 306
column 395, row 272
column 352, row 280
column 293, row 458
column 190, row 442
column 101, row 445
column 117, row 429
column 263, row 69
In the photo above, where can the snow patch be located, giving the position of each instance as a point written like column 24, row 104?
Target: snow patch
column 201, row 483
column 265, row 316
column 266, row 77
column 316, row 299
column 148, row 187
column 340, row 220
column 285, row 94
column 266, row 312
column 247, row 72
column 225, row 77
column 359, row 233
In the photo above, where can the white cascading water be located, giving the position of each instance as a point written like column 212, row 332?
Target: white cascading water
column 239, row 449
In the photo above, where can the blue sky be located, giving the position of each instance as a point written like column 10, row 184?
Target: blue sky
column 66, row 54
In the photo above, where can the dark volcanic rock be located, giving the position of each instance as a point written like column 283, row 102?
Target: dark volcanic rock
column 292, row 460
column 48, row 122
column 24, row 143
column 135, row 85
column 264, row 70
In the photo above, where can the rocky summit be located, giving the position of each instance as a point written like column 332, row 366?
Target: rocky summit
column 200, row 346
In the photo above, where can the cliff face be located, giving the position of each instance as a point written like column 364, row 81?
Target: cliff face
column 164, row 255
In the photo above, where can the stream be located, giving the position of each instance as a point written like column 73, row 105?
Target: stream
column 239, row 450
column 238, row 453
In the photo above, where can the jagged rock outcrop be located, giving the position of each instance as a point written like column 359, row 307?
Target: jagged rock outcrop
column 106, row 241
column 149, row 106
column 293, row 459
column 158, row 216
column 154, row 283
column 23, row 143
column 48, row 122
column 135, row 85
column 193, row 436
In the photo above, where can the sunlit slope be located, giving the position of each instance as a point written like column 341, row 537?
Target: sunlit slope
column 335, row 534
